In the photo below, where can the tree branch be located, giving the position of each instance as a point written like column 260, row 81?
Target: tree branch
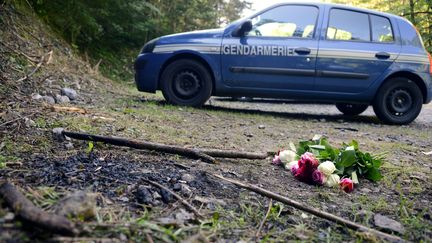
column 316, row 212
column 34, row 215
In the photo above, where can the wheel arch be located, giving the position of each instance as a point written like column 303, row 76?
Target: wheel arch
column 411, row 76
column 192, row 56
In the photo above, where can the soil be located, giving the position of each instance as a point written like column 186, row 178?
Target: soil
column 47, row 169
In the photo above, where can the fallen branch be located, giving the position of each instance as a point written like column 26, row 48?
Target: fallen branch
column 316, row 212
column 33, row 71
column 184, row 202
column 56, row 108
column 233, row 154
column 258, row 233
column 16, row 119
column 32, row 214
column 170, row 149
column 206, row 154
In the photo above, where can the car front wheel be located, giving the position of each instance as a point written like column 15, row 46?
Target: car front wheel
column 398, row 101
column 186, row 82
column 351, row 109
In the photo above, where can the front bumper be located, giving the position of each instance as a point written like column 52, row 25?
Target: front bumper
column 147, row 70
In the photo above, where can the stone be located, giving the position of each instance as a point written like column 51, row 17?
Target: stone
column 124, row 199
column 177, row 187
column 188, row 178
column 366, row 190
column 71, row 93
column 36, row 96
column 261, row 127
column 185, row 190
column 79, row 204
column 166, row 196
column 386, row 223
column 156, row 195
column 29, row 122
column 144, row 196
column 58, row 134
column 48, row 99
column 183, row 216
column 9, row 217
column 62, row 99
column 69, row 146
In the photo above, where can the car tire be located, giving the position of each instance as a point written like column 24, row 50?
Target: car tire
column 398, row 102
column 186, row 82
column 351, row 109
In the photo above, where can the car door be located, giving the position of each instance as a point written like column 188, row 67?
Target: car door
column 355, row 51
column 279, row 53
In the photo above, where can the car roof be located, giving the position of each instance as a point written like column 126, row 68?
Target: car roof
column 333, row 5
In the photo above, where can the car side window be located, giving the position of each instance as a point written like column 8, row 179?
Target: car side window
column 292, row 21
column 348, row 25
column 381, row 29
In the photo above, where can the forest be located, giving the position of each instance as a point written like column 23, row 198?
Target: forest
column 114, row 30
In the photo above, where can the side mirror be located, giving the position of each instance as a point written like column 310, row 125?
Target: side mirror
column 242, row 29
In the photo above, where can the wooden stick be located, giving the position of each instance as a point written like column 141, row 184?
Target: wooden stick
column 33, row 71
column 142, row 145
column 316, row 212
column 34, row 215
column 206, row 154
column 258, row 233
column 233, row 154
column 184, row 202
column 16, row 119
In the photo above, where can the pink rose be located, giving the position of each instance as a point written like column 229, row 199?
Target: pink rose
column 318, row 177
column 276, row 160
column 347, row 185
column 294, row 169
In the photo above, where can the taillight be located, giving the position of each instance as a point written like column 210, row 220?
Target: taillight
column 430, row 63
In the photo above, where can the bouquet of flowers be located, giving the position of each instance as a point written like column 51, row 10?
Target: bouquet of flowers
column 317, row 162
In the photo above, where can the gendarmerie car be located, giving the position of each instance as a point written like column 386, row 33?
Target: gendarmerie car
column 305, row 51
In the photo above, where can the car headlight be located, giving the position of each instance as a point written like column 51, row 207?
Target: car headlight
column 149, row 46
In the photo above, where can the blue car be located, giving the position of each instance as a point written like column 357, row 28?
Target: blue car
column 317, row 52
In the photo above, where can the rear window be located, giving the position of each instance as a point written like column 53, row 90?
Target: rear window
column 348, row 25
column 381, row 29
column 354, row 26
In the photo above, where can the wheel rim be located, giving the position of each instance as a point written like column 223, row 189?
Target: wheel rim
column 399, row 102
column 186, row 84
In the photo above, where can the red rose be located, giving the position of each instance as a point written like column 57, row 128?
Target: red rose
column 307, row 165
column 347, row 185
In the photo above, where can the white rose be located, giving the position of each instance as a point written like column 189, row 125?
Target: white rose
column 332, row 180
column 287, row 156
column 327, row 168
column 289, row 165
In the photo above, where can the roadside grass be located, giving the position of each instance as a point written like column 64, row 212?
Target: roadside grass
column 147, row 118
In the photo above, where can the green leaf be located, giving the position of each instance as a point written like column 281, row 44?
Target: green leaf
column 90, row 147
column 354, row 144
column 348, row 157
column 317, row 147
column 373, row 174
column 354, row 178
column 292, row 147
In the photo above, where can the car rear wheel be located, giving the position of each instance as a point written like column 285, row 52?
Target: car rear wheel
column 398, row 101
column 186, row 82
column 351, row 109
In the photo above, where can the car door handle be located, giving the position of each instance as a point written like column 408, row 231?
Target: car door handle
column 382, row 55
column 302, row 51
